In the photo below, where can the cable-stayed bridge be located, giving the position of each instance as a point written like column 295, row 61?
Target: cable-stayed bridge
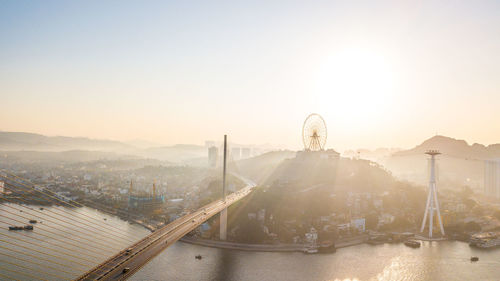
column 70, row 241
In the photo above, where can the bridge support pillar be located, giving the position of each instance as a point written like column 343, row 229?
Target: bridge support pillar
column 223, row 224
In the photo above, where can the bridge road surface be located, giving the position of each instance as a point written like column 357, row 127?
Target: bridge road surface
column 147, row 248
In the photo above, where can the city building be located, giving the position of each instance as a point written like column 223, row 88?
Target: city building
column 359, row 224
column 150, row 203
column 213, row 154
column 492, row 178
column 245, row 153
column 236, row 153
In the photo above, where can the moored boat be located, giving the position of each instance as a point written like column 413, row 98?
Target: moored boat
column 16, row 228
column 310, row 250
column 327, row 247
column 412, row 243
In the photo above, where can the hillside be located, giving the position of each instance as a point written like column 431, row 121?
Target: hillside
column 309, row 172
column 459, row 164
column 261, row 167
column 38, row 147
column 177, row 153
column 28, row 141
column 69, row 156
column 453, row 147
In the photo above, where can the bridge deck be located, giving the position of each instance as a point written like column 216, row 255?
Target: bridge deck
column 147, row 248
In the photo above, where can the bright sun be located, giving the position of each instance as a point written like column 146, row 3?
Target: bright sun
column 357, row 84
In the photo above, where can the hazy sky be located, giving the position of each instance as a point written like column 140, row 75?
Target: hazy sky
column 389, row 74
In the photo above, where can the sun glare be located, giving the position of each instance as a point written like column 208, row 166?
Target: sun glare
column 357, row 83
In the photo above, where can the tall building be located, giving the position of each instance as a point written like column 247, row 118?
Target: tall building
column 213, row 154
column 245, row 153
column 492, row 178
column 236, row 153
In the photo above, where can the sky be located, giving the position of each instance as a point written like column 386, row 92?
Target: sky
column 385, row 74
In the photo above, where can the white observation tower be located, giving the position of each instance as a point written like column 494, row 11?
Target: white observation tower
column 432, row 198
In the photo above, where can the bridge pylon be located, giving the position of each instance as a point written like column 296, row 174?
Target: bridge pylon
column 223, row 213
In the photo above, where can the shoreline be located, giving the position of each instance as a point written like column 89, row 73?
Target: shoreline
column 267, row 247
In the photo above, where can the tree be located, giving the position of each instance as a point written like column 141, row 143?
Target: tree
column 496, row 214
column 372, row 221
column 469, row 203
column 472, row 226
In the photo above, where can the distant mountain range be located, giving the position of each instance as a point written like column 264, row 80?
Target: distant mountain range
column 459, row 164
column 454, row 148
column 29, row 141
column 86, row 148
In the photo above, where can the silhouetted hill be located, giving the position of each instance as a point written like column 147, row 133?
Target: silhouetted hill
column 86, row 148
column 379, row 155
column 459, row 164
column 259, row 168
column 60, row 157
column 453, row 147
column 309, row 171
column 181, row 153
column 29, row 141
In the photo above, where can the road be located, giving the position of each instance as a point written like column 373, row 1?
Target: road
column 138, row 254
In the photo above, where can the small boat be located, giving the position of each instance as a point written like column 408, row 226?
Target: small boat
column 310, row 250
column 33, row 221
column 474, row 259
column 28, row 227
column 412, row 243
column 198, row 257
column 16, row 228
column 328, row 247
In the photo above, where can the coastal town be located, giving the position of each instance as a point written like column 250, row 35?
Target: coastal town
column 282, row 214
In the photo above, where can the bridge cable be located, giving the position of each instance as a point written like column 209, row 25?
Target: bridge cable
column 55, row 222
column 53, row 250
column 8, row 277
column 102, row 233
column 22, row 273
column 52, row 196
column 32, row 269
column 43, row 265
column 62, row 201
column 41, row 258
column 92, row 241
column 28, row 248
column 55, row 244
column 65, row 237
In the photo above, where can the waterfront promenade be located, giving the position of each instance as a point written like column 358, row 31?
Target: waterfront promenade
column 281, row 247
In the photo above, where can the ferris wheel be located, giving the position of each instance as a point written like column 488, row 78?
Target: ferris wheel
column 314, row 133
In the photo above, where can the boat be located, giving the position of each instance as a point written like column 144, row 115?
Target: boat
column 485, row 240
column 198, row 257
column 16, row 228
column 412, row 243
column 33, row 221
column 474, row 259
column 28, row 227
column 327, row 247
column 488, row 244
column 310, row 250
